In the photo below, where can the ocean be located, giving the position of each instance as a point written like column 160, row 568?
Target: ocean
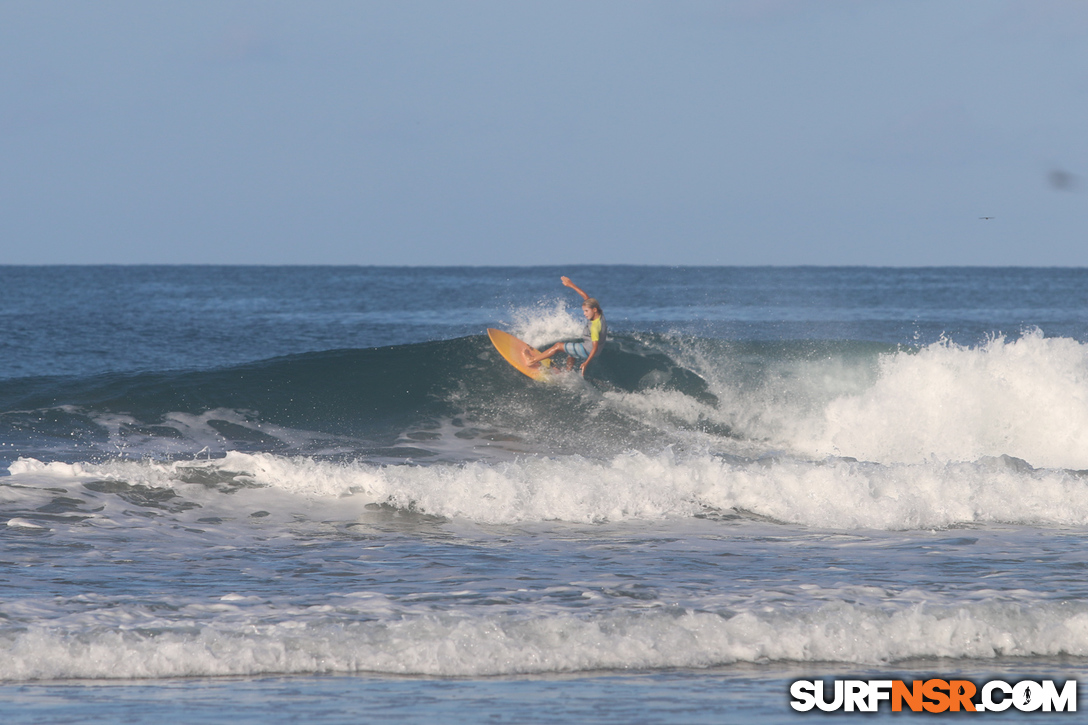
column 281, row 494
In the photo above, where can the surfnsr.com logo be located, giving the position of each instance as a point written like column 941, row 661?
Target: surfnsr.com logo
column 934, row 696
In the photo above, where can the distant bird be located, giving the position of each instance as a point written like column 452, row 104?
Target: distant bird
column 985, row 217
column 1063, row 180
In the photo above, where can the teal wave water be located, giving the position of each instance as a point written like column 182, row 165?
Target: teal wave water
column 358, row 397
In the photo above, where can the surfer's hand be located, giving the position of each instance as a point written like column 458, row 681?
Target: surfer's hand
column 566, row 281
column 582, row 368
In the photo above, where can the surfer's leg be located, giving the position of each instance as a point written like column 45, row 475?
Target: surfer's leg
column 530, row 358
column 575, row 351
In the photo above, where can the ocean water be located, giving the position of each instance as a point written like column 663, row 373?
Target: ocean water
column 261, row 494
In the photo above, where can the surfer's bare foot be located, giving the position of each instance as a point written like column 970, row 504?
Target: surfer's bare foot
column 530, row 358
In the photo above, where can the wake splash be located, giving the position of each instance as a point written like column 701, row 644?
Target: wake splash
column 834, row 493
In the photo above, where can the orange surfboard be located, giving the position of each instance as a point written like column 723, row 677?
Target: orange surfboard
column 514, row 351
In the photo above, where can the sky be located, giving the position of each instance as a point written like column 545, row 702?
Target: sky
column 679, row 132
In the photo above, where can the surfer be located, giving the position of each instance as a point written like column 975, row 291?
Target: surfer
column 593, row 334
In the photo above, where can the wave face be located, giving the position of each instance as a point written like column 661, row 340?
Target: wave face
column 345, row 401
column 840, row 435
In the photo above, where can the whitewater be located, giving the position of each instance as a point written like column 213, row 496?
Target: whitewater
column 277, row 487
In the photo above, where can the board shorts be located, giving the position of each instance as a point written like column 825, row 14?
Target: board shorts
column 576, row 349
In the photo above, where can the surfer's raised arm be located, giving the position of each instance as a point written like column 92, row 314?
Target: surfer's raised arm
column 567, row 283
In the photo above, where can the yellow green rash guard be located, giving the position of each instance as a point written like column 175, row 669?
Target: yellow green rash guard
column 595, row 331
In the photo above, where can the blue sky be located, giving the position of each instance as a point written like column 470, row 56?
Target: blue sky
column 675, row 132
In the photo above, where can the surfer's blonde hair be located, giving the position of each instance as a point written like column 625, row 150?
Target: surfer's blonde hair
column 592, row 303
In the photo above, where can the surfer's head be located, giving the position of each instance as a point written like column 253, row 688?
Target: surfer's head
column 592, row 308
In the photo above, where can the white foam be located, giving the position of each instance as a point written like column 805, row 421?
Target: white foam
column 17, row 523
column 233, row 639
column 835, row 493
column 55, row 470
column 1026, row 398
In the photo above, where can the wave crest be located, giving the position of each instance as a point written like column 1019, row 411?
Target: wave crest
column 1026, row 398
